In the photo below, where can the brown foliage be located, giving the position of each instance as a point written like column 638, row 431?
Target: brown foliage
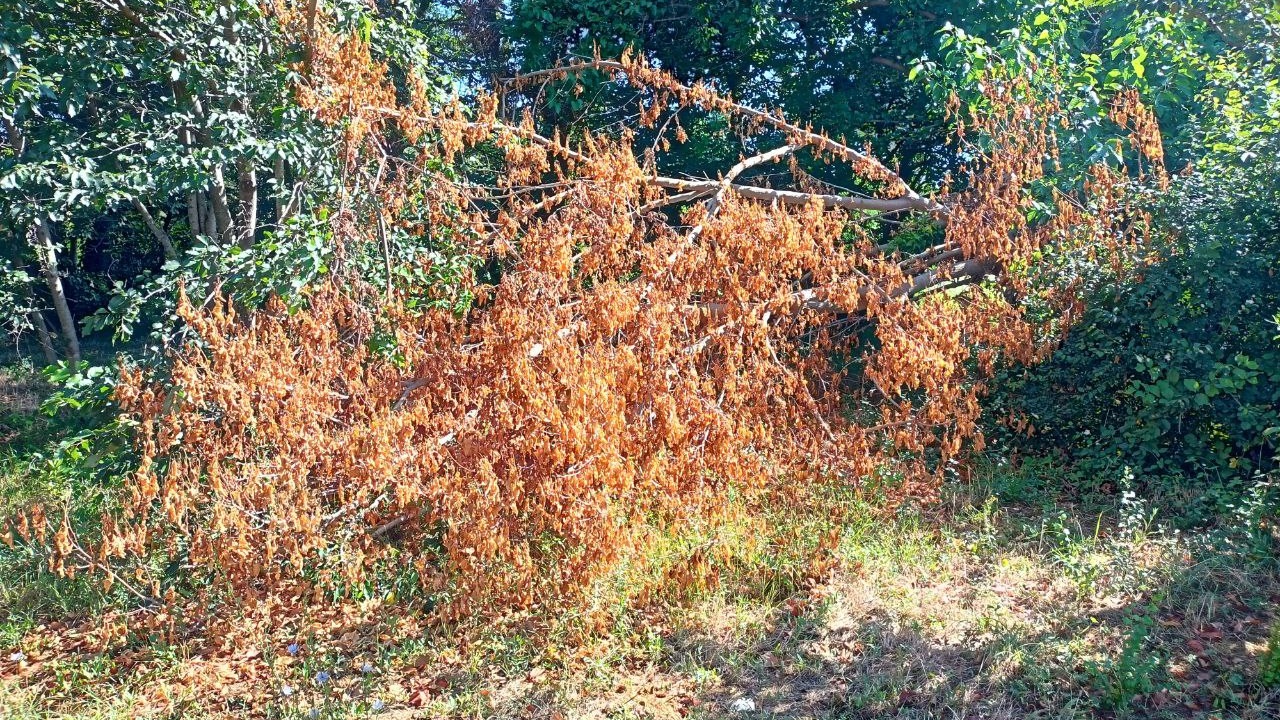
column 623, row 376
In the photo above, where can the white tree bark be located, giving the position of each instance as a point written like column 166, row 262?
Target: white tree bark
column 170, row 252
column 42, row 333
column 48, row 256
column 247, row 223
column 789, row 197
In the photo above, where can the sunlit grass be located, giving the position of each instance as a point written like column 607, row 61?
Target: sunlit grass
column 1000, row 601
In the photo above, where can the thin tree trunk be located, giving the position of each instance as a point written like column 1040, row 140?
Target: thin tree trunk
column 49, row 266
column 221, row 209
column 277, row 172
column 246, row 170
column 308, row 50
column 193, row 213
column 42, row 332
column 248, row 220
column 295, row 202
column 47, row 255
column 170, row 252
column 209, row 226
column 224, row 229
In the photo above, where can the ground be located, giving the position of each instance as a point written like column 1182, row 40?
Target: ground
column 1002, row 601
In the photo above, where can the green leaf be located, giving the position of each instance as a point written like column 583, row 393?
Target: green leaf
column 1139, row 57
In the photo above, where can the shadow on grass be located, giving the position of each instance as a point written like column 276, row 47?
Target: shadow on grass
column 973, row 622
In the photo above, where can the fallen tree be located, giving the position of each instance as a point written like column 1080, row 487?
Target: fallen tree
column 620, row 370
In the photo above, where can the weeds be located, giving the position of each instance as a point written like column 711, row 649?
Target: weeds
column 1269, row 663
column 1135, row 671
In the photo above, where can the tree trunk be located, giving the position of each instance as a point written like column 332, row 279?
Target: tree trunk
column 42, row 332
column 49, row 266
column 170, row 252
column 308, row 49
column 209, row 226
column 223, row 228
column 248, row 220
column 277, row 172
column 221, row 210
column 193, row 213
column 47, row 255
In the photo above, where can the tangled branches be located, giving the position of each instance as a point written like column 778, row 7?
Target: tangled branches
column 624, row 372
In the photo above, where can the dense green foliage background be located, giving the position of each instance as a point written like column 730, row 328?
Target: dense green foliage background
column 1172, row 386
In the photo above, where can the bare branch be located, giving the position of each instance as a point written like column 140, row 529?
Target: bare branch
column 789, row 197
column 170, row 252
column 778, row 122
column 713, row 205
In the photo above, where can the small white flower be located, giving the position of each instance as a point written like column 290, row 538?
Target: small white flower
column 286, row 690
column 366, row 668
column 376, row 705
column 18, row 657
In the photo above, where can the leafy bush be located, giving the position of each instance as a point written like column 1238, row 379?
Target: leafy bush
column 1178, row 376
column 1269, row 663
column 1135, row 671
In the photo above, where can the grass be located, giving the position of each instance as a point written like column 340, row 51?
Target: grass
column 1003, row 601
column 975, row 612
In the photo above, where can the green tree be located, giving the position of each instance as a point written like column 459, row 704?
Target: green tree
column 157, row 131
column 843, row 66
column 158, row 108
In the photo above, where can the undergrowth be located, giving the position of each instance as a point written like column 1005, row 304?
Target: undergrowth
column 1003, row 600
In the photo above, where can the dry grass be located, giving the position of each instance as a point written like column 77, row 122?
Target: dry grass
column 976, row 613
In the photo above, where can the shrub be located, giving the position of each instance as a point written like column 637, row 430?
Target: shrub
column 1176, row 376
column 1269, row 663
